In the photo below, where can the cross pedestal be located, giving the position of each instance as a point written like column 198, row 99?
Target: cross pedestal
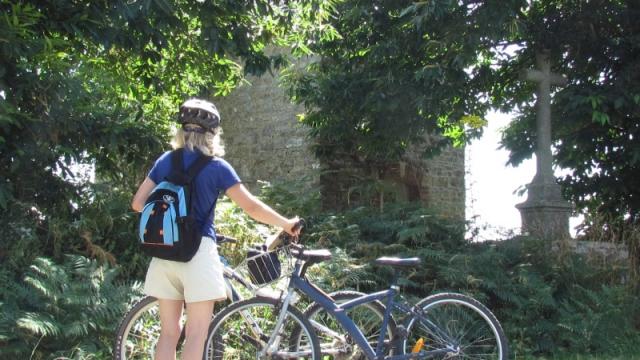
column 545, row 213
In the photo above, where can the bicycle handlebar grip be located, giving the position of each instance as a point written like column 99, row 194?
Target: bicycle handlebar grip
column 299, row 225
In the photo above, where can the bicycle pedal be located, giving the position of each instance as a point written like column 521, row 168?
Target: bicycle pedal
column 401, row 332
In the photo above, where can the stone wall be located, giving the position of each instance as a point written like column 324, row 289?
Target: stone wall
column 264, row 141
column 444, row 184
column 604, row 250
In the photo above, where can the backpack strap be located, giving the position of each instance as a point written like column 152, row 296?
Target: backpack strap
column 191, row 174
column 198, row 165
column 178, row 174
column 184, row 178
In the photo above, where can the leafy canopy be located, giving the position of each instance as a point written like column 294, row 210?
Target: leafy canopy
column 399, row 71
column 96, row 83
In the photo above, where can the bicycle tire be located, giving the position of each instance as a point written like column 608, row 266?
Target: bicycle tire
column 231, row 336
column 347, row 349
column 456, row 315
column 128, row 345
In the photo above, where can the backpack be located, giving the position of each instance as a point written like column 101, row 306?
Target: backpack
column 168, row 227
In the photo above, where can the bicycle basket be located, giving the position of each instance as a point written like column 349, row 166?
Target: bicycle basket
column 263, row 267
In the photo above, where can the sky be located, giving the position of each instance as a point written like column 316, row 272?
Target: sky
column 492, row 185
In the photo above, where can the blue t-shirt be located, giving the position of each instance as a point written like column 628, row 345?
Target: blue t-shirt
column 215, row 177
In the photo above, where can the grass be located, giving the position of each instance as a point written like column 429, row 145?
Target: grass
column 630, row 356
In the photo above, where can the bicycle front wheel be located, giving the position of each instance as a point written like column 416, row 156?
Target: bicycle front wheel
column 455, row 326
column 242, row 330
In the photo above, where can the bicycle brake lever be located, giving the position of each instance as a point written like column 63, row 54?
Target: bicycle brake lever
column 221, row 239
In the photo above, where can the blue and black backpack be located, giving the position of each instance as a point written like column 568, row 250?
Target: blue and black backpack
column 168, row 227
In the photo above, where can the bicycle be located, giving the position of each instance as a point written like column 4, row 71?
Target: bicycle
column 139, row 330
column 442, row 326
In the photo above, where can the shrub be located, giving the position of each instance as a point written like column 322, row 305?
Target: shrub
column 549, row 301
column 61, row 310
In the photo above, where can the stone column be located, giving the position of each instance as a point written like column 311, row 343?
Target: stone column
column 545, row 213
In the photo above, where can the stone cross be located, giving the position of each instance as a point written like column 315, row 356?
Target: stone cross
column 545, row 214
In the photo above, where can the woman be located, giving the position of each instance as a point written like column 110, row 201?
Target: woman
column 198, row 282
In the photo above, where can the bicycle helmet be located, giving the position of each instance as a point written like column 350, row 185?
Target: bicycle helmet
column 201, row 113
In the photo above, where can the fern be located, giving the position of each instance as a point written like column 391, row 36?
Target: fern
column 38, row 324
column 542, row 301
column 66, row 309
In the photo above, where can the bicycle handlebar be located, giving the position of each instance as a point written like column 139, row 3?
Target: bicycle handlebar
column 221, row 239
column 291, row 240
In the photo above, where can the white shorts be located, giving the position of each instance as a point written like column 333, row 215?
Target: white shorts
column 200, row 279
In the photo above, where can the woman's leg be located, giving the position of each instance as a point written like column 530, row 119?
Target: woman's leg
column 198, row 320
column 170, row 314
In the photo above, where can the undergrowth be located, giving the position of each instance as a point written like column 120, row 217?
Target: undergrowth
column 551, row 302
column 65, row 310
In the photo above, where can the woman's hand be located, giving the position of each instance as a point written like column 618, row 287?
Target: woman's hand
column 293, row 226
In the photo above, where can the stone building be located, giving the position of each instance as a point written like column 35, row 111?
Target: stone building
column 264, row 141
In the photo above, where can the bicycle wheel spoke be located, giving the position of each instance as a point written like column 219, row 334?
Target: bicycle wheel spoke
column 139, row 332
column 455, row 326
column 335, row 343
column 243, row 330
column 433, row 334
column 479, row 326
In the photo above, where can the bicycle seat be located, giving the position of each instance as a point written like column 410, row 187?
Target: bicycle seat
column 312, row 256
column 398, row 262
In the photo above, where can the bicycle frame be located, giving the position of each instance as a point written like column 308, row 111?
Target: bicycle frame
column 232, row 293
column 337, row 311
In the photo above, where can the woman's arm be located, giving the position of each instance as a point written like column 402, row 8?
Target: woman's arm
column 142, row 194
column 260, row 211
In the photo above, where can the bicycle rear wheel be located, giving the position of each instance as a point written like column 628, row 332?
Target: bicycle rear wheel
column 241, row 331
column 138, row 331
column 455, row 326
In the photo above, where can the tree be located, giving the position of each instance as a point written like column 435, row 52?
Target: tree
column 402, row 69
column 596, row 117
column 398, row 70
column 97, row 83
column 400, row 74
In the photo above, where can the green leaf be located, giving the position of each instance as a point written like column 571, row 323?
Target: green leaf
column 600, row 117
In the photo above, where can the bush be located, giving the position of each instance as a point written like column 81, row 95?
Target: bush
column 549, row 301
column 65, row 310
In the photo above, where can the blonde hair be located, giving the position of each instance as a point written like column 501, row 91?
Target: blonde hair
column 208, row 143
